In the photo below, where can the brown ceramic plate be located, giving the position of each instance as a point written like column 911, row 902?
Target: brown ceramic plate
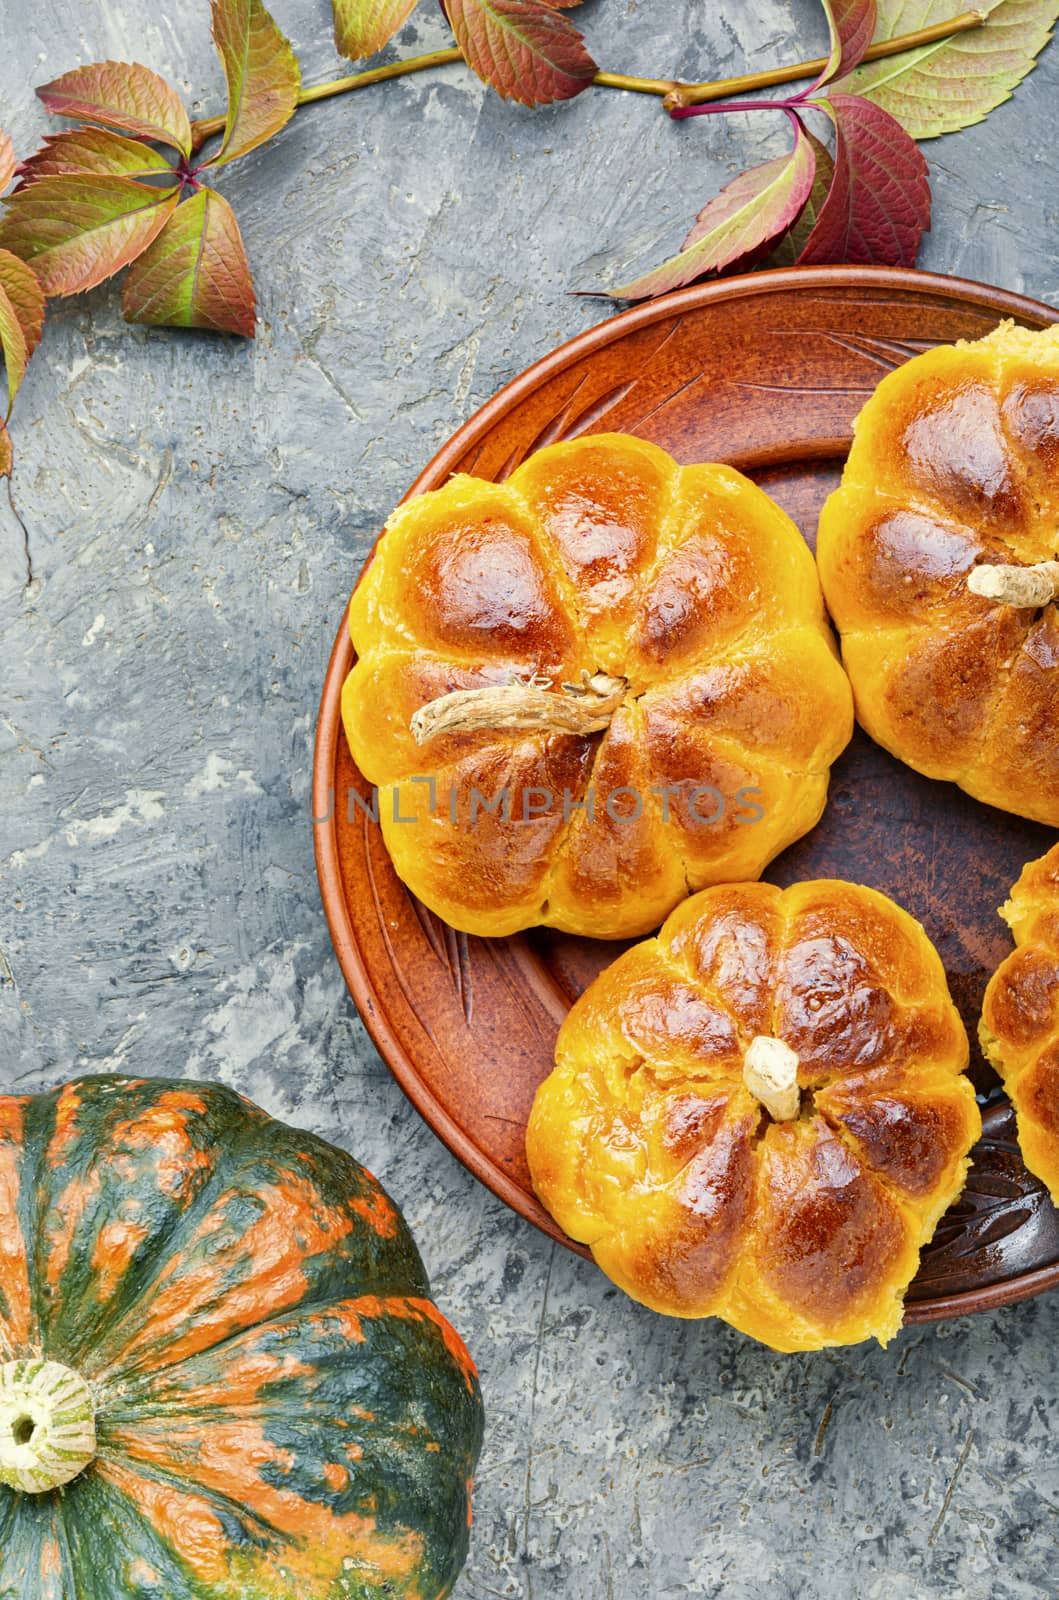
column 765, row 372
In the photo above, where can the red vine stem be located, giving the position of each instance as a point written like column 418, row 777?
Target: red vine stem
column 676, row 94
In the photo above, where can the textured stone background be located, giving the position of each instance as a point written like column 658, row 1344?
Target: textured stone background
column 197, row 510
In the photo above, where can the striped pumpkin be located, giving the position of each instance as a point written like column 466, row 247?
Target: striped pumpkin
column 221, row 1373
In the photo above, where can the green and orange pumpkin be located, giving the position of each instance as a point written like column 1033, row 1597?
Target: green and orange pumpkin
column 221, row 1373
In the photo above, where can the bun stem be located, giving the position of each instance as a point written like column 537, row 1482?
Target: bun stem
column 1016, row 586
column 770, row 1072
column 584, row 707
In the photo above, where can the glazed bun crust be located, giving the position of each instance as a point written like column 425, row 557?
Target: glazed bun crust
column 646, row 1144
column 1020, row 1016
column 600, row 555
column 954, row 464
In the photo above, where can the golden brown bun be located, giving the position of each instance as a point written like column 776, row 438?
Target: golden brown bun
column 646, row 1144
column 1020, row 1016
column 955, row 462
column 596, row 555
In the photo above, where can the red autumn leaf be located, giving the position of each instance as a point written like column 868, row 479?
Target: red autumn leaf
column 6, row 454
column 124, row 95
column 262, row 74
column 364, row 26
column 748, row 214
column 878, row 206
column 788, row 249
column 195, row 274
column 851, row 24
column 22, row 288
column 525, row 49
column 7, row 161
column 76, row 231
column 93, row 150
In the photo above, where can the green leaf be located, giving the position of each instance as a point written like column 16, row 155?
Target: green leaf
column 121, row 94
column 525, row 49
column 13, row 345
column 195, row 274
column 790, row 247
column 262, row 75
column 76, row 231
column 94, row 150
column 22, row 287
column 878, row 206
column 364, row 26
column 748, row 214
column 7, row 160
column 957, row 81
column 851, row 24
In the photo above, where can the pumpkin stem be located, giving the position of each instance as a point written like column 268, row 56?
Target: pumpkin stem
column 47, row 1425
column 770, row 1072
column 1016, row 586
column 584, row 707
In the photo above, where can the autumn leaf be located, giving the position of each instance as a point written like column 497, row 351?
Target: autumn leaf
column 93, row 201
column 748, row 214
column 262, row 75
column 957, row 81
column 195, row 274
column 6, row 454
column 94, row 150
column 851, row 24
column 7, row 160
column 364, row 26
column 788, row 250
column 878, row 206
column 22, row 287
column 525, row 49
column 121, row 95
column 13, row 345
column 76, row 231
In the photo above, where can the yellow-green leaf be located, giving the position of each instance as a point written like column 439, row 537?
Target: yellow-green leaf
column 195, row 274
column 364, row 26
column 940, row 87
column 13, row 345
column 22, row 287
column 262, row 75
column 76, row 231
column 94, row 150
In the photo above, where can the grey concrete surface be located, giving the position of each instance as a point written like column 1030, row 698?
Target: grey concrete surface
column 196, row 511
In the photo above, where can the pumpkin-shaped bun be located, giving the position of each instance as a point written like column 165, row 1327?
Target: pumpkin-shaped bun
column 761, row 1114
column 936, row 557
column 704, row 700
column 221, row 1373
column 1020, row 1016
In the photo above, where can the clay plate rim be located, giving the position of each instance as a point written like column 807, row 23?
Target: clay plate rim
column 329, row 725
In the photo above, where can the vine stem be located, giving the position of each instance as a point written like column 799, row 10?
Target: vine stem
column 672, row 90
